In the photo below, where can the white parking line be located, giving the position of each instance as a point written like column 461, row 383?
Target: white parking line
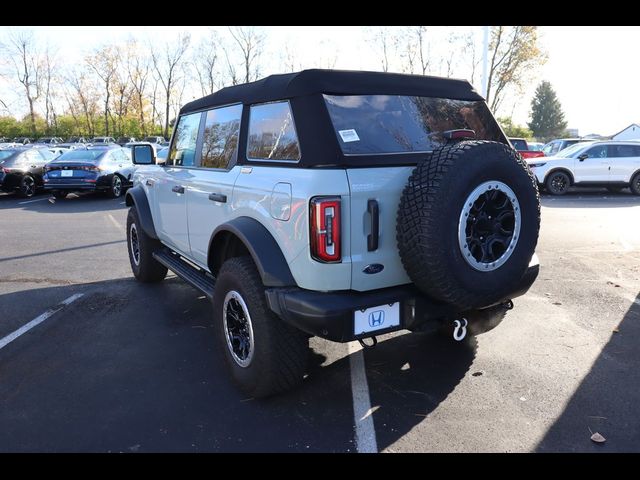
column 365, row 431
column 115, row 222
column 38, row 320
column 31, row 201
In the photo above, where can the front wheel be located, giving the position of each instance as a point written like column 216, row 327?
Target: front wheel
column 557, row 183
column 264, row 355
column 27, row 187
column 141, row 247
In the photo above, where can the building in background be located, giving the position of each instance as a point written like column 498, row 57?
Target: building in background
column 632, row 132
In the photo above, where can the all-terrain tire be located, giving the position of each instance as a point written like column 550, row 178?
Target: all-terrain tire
column 279, row 353
column 141, row 247
column 431, row 210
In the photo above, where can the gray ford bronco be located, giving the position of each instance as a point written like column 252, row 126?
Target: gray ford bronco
column 337, row 204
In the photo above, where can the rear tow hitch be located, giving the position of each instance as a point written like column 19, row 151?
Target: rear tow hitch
column 460, row 330
column 374, row 341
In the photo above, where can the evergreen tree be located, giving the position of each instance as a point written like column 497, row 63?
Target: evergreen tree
column 547, row 117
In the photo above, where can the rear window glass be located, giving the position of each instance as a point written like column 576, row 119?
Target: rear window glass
column 80, row 155
column 378, row 124
column 519, row 144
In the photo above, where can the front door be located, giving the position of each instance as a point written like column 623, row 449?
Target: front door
column 594, row 167
column 173, row 183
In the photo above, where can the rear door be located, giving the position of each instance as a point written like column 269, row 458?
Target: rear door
column 210, row 190
column 172, row 184
column 624, row 160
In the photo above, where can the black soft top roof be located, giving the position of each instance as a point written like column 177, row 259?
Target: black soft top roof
column 339, row 82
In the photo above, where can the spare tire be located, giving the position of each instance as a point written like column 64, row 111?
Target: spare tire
column 468, row 223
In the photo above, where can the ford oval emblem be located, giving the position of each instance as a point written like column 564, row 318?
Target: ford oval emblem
column 373, row 268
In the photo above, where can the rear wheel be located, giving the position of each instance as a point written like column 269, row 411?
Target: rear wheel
column 635, row 184
column 263, row 354
column 141, row 247
column 115, row 190
column 27, row 187
column 557, row 183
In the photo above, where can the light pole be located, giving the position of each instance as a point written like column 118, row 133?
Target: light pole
column 485, row 60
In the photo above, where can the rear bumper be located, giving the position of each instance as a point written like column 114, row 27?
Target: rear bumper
column 70, row 186
column 330, row 315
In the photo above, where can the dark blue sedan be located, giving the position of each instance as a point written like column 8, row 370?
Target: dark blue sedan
column 106, row 169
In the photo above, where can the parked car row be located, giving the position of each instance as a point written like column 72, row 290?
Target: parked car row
column 611, row 164
column 26, row 170
column 82, row 140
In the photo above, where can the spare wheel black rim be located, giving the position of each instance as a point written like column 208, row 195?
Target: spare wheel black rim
column 489, row 226
column 238, row 328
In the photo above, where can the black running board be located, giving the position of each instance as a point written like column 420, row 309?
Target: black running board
column 194, row 276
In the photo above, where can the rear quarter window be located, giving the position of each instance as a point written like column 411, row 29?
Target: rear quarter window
column 272, row 133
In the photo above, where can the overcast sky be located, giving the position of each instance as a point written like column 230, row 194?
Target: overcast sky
column 594, row 70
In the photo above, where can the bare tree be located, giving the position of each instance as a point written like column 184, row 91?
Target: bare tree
column 167, row 63
column 472, row 55
column 104, row 62
column 27, row 63
column 250, row 42
column 85, row 95
column 138, row 70
column 205, row 62
column 420, row 34
column 289, row 59
column 386, row 44
column 122, row 87
column 513, row 51
column 49, row 69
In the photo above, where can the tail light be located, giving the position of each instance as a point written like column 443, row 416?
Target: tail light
column 325, row 229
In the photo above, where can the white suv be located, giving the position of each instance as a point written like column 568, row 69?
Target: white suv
column 611, row 164
column 336, row 204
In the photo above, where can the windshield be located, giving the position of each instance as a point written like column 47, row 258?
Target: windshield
column 378, row 124
column 573, row 149
column 80, row 155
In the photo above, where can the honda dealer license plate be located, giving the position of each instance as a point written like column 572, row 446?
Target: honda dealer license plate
column 66, row 173
column 376, row 318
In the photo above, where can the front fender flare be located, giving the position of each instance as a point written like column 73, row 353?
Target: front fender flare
column 138, row 198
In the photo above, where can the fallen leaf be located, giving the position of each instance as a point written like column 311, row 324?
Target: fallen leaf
column 596, row 437
column 548, row 294
column 616, row 330
column 557, row 303
column 477, row 374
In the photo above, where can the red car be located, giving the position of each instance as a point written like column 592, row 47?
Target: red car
column 520, row 144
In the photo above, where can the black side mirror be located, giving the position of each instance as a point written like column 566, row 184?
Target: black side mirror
column 583, row 157
column 143, row 155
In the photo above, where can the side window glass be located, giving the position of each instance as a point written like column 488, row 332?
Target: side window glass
column 597, row 152
column 183, row 148
column 555, row 147
column 272, row 134
column 220, row 138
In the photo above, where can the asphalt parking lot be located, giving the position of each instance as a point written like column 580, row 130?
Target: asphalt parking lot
column 128, row 367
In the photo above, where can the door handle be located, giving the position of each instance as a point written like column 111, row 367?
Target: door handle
column 218, row 197
column 178, row 189
column 150, row 183
column 373, row 237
